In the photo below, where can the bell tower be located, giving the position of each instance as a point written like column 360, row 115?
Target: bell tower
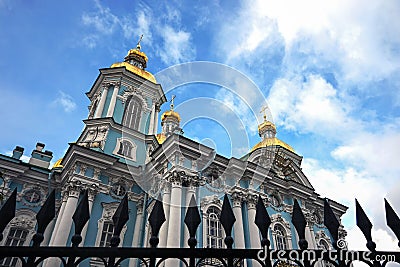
column 124, row 105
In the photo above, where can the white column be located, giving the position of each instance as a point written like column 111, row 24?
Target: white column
column 157, row 109
column 66, row 223
column 254, row 235
column 153, row 112
column 113, row 100
column 309, row 233
column 136, row 232
column 238, row 225
column 64, row 228
column 48, row 233
column 174, row 226
column 91, row 196
column 59, row 216
column 166, row 199
column 100, row 107
column 190, row 191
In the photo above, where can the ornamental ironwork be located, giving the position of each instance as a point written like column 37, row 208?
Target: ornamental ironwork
column 113, row 256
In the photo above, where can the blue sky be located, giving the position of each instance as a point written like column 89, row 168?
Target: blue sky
column 330, row 71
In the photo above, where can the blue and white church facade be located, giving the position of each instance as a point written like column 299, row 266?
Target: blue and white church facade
column 120, row 151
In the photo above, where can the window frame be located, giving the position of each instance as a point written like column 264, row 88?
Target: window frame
column 119, row 147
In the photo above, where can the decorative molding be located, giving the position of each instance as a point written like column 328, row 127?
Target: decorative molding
column 95, row 137
column 35, row 189
column 24, row 219
column 251, row 200
column 208, row 201
column 133, row 91
column 108, row 211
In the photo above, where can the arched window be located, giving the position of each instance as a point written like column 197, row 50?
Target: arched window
column 280, row 237
column 125, row 149
column 214, row 228
column 133, row 112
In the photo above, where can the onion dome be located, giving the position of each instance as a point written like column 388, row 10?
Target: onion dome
column 171, row 114
column 170, row 121
column 136, row 62
column 272, row 142
column 267, row 131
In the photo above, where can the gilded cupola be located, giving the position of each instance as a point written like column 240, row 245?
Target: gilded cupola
column 267, row 131
column 136, row 61
column 170, row 121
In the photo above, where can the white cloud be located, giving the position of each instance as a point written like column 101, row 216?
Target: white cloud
column 65, row 101
column 377, row 153
column 310, row 105
column 176, row 46
column 104, row 21
column 233, row 103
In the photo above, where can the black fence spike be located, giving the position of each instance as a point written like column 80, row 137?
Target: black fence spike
column 156, row 220
column 392, row 220
column 263, row 221
column 227, row 220
column 331, row 222
column 45, row 215
column 81, row 217
column 192, row 221
column 7, row 212
column 120, row 217
column 365, row 226
column 299, row 222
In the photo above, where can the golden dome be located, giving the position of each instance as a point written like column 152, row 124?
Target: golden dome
column 58, row 164
column 142, row 73
column 137, row 52
column 265, row 124
column 170, row 113
column 272, row 142
column 161, row 138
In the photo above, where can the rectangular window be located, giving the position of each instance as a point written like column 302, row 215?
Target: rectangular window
column 16, row 237
column 106, row 234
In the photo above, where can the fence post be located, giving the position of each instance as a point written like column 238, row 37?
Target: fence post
column 156, row 220
column 192, row 221
column 227, row 220
column 263, row 221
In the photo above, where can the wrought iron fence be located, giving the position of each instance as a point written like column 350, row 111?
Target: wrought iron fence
column 113, row 256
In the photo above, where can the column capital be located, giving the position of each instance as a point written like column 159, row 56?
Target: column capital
column 237, row 198
column 73, row 189
column 251, row 200
column 93, row 189
column 166, row 187
column 176, row 178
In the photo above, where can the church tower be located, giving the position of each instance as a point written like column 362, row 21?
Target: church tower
column 123, row 113
column 170, row 123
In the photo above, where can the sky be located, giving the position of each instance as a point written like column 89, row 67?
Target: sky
column 329, row 71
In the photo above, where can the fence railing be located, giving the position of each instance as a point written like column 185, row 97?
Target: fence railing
column 113, row 256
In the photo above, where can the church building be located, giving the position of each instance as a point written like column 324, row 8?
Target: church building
column 121, row 151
